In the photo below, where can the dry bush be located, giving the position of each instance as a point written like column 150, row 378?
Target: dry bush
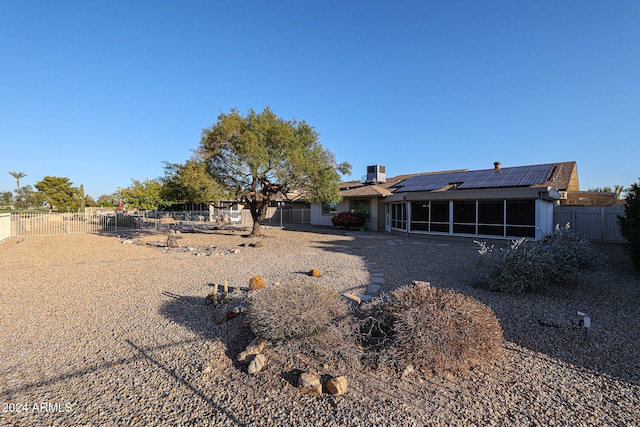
column 305, row 318
column 433, row 329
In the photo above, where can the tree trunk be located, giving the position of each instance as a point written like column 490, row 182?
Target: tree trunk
column 255, row 231
column 258, row 213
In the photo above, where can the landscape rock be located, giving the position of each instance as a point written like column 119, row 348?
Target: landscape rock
column 309, row 382
column 254, row 348
column 257, row 364
column 336, row 386
column 408, row 371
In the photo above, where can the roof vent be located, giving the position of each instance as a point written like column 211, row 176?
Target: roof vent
column 496, row 166
column 376, row 174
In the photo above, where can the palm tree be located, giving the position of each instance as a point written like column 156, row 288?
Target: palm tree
column 18, row 176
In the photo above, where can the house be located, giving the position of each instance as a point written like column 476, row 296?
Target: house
column 499, row 202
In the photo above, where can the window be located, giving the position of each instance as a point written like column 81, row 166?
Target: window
column 329, row 208
column 464, row 217
column 399, row 216
column 521, row 218
column 440, row 217
column 361, row 207
column 491, row 217
column 420, row 216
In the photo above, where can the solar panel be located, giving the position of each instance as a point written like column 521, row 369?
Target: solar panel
column 486, row 178
column 510, row 177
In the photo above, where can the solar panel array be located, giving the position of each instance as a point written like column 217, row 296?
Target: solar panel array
column 518, row 176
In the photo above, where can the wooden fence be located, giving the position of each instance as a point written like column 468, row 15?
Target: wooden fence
column 595, row 223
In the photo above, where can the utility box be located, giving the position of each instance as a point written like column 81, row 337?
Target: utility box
column 376, row 174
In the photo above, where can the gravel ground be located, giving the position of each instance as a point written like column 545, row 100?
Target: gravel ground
column 99, row 332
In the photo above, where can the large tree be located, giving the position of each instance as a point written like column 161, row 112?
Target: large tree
column 259, row 157
column 59, row 192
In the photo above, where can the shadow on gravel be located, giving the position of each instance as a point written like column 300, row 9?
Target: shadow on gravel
column 204, row 320
column 183, row 381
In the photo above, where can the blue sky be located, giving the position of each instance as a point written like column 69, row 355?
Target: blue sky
column 103, row 92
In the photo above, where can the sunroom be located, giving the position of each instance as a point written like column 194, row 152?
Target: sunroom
column 492, row 203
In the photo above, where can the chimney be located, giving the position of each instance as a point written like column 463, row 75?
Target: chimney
column 496, row 166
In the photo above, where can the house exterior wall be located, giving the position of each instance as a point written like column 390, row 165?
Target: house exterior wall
column 376, row 220
column 319, row 218
column 544, row 221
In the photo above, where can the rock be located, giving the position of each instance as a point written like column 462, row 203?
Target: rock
column 254, row 348
column 309, row 382
column 408, row 371
column 221, row 313
column 336, row 386
column 172, row 242
column 256, row 282
column 257, row 364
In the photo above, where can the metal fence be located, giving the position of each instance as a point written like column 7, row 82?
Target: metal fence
column 53, row 223
column 41, row 224
column 595, row 223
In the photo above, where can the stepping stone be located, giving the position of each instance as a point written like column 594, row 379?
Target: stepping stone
column 373, row 289
column 377, row 280
column 376, row 270
column 365, row 298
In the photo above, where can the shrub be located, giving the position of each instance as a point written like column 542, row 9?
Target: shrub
column 432, row 329
column 630, row 224
column 348, row 220
column 526, row 265
column 304, row 318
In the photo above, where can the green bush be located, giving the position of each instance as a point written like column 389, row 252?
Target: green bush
column 630, row 224
column 432, row 329
column 527, row 265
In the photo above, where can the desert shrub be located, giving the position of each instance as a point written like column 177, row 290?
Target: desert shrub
column 432, row 329
column 630, row 224
column 305, row 318
column 527, row 265
column 348, row 220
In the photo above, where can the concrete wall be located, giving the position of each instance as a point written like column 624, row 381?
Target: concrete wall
column 5, row 226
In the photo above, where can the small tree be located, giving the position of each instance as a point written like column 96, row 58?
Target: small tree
column 190, row 183
column 6, row 198
column 143, row 195
column 59, row 192
column 259, row 157
column 630, row 223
